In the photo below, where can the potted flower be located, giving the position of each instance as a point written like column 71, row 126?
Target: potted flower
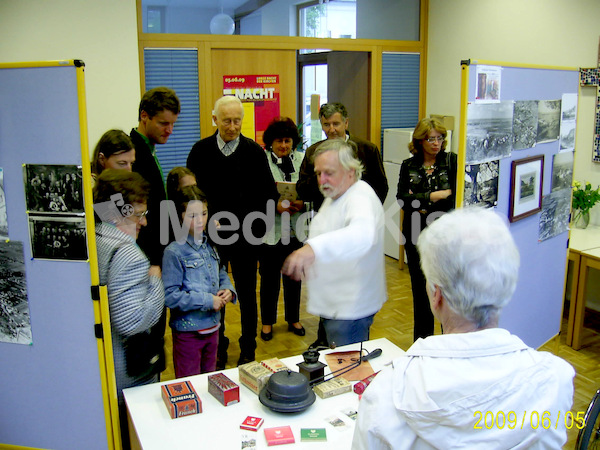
column 583, row 201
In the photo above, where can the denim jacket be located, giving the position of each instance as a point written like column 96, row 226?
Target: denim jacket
column 192, row 274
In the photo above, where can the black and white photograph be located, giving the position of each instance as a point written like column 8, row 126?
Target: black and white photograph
column 3, row 214
column 548, row 120
column 525, row 124
column 481, row 184
column 58, row 238
column 554, row 218
column 53, row 188
column 489, row 131
column 568, row 122
column 15, row 323
column 526, row 183
column 562, row 171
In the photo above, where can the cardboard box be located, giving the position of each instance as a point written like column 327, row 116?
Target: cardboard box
column 223, row 389
column 181, row 399
column 333, row 387
column 279, row 435
column 252, row 423
column 447, row 121
column 274, row 365
column 254, row 376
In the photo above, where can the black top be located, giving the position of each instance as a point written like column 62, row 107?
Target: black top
column 240, row 183
column 415, row 186
column 145, row 165
column 374, row 174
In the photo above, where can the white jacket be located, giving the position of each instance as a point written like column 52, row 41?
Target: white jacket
column 429, row 398
column 347, row 279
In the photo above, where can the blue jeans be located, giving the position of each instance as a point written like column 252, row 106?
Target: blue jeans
column 344, row 332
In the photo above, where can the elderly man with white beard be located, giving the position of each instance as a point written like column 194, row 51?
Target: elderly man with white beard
column 343, row 261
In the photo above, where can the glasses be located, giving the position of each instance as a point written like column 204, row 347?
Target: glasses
column 140, row 216
column 433, row 140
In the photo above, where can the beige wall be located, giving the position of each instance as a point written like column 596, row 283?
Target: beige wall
column 102, row 33
column 546, row 32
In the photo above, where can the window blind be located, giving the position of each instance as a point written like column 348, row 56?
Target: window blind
column 399, row 91
column 176, row 69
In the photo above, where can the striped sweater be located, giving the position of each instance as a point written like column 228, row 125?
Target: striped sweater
column 136, row 300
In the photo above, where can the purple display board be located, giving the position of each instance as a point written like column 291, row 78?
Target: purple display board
column 534, row 314
column 51, row 392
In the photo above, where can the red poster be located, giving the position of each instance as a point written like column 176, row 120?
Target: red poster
column 260, row 95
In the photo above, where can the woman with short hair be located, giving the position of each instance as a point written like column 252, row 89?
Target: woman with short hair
column 135, row 298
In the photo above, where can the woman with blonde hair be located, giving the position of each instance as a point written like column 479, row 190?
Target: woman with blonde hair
column 426, row 189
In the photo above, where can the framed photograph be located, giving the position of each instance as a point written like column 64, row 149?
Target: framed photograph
column 526, row 181
column 52, row 188
column 58, row 238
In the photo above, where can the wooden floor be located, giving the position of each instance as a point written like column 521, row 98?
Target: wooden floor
column 395, row 322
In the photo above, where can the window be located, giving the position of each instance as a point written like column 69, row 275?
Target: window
column 334, row 19
column 155, row 19
column 178, row 70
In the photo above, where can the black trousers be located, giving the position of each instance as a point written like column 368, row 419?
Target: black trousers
column 423, row 317
column 271, row 260
column 243, row 258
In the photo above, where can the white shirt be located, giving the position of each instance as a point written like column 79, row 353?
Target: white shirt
column 347, row 279
column 429, row 398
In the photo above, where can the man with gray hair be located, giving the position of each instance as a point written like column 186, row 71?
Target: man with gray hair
column 476, row 385
column 334, row 122
column 342, row 261
column 232, row 170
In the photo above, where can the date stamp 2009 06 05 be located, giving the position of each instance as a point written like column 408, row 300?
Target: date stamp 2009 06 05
column 533, row 419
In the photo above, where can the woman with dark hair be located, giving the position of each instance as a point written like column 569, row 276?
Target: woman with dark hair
column 426, row 188
column 114, row 150
column 136, row 298
column 281, row 139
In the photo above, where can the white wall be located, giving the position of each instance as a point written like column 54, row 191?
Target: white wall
column 387, row 19
column 546, row 32
column 102, row 33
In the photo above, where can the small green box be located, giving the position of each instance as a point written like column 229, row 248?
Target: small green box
column 313, row 434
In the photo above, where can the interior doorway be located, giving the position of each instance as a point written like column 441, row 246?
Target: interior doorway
column 336, row 76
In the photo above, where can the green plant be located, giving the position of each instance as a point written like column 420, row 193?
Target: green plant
column 584, row 199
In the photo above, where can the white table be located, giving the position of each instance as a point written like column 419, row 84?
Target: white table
column 218, row 427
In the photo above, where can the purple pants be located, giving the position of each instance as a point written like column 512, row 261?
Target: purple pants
column 194, row 353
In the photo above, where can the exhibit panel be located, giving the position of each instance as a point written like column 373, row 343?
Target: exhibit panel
column 48, row 344
column 516, row 145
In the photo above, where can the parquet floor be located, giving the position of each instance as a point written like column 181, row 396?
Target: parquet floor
column 394, row 322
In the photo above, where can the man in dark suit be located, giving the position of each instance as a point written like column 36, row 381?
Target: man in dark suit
column 233, row 172
column 334, row 122
column 158, row 112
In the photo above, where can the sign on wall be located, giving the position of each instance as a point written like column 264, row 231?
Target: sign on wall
column 260, row 95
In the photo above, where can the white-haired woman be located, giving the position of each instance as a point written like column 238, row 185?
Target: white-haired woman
column 445, row 388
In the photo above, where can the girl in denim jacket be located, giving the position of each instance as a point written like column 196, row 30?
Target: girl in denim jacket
column 196, row 288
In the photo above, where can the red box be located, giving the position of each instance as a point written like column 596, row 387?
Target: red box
column 223, row 389
column 252, row 423
column 279, row 435
column 181, row 399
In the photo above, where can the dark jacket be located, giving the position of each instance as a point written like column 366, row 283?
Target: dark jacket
column 145, row 165
column 414, row 188
column 241, row 183
column 374, row 174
